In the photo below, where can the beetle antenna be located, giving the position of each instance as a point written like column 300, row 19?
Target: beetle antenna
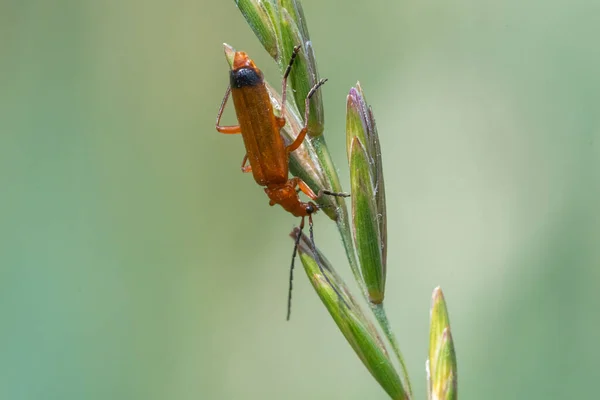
column 330, row 193
column 296, row 244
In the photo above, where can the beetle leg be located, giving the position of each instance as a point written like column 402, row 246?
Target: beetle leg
column 300, row 138
column 297, row 182
column 301, row 186
column 226, row 129
column 246, row 168
column 284, row 82
column 280, row 122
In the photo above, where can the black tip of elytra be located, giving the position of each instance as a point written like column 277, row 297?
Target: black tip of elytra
column 244, row 77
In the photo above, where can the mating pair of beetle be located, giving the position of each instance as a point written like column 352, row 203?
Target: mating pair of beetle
column 266, row 151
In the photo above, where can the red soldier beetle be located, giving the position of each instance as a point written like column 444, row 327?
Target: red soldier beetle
column 266, row 152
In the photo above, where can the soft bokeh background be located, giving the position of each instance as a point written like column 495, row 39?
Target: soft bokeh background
column 137, row 262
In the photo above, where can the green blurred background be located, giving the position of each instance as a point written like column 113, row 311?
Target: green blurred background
column 138, row 262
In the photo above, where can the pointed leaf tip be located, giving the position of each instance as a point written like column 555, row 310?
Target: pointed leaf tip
column 442, row 366
column 229, row 54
